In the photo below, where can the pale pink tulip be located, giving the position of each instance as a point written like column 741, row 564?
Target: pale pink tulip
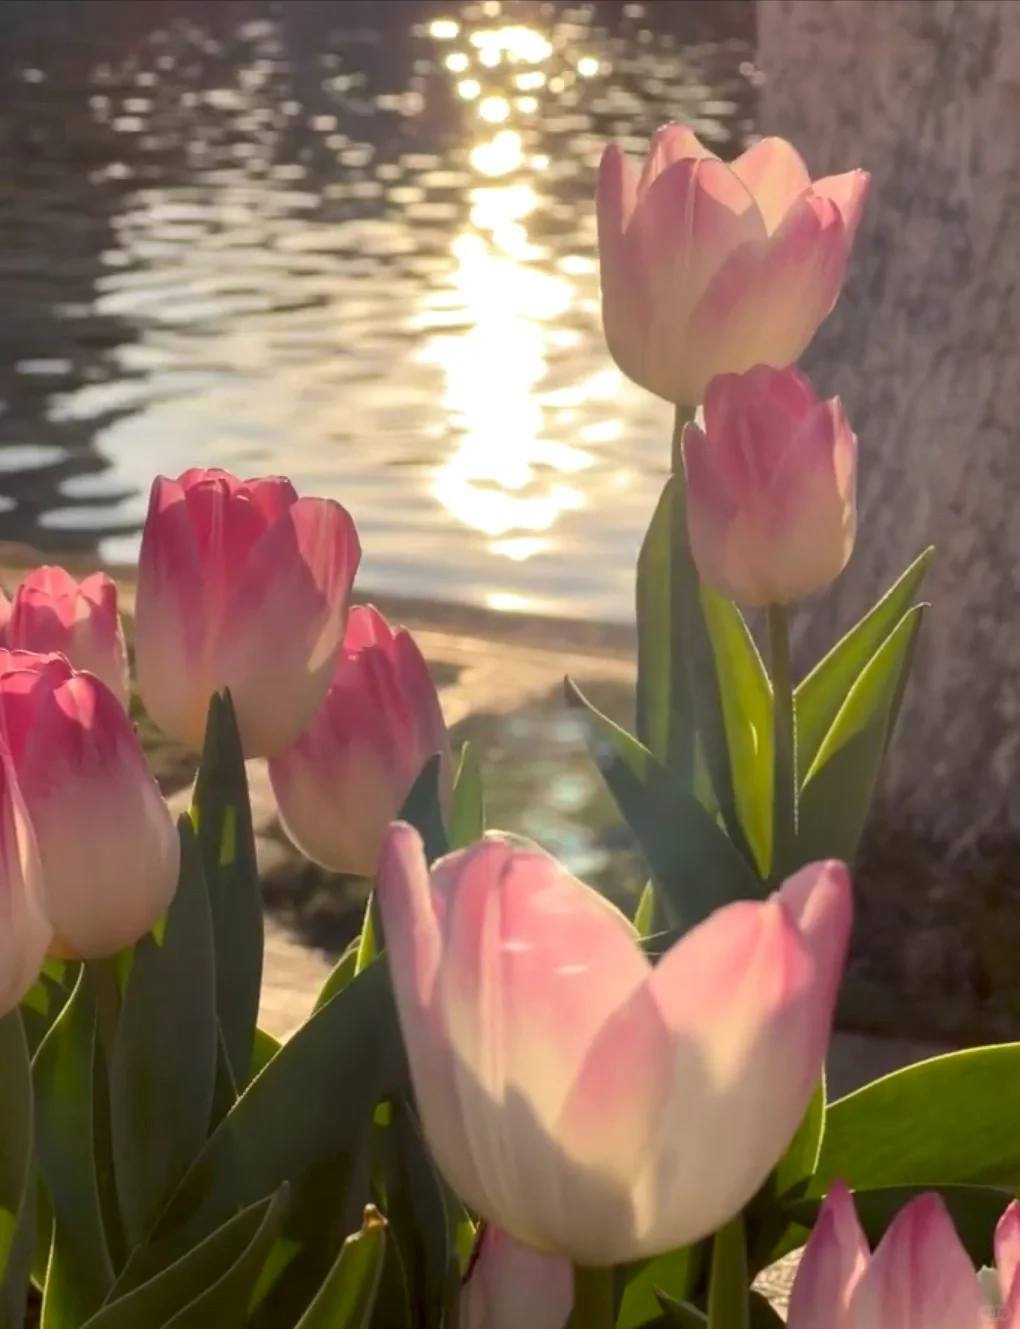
column 107, row 845
column 710, row 268
column 246, row 586
column 920, row 1276
column 513, row 1287
column 25, row 932
column 53, row 612
column 590, row 1105
column 346, row 778
column 771, row 487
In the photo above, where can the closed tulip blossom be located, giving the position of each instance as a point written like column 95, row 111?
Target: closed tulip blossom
column 241, row 585
column 345, row 779
column 590, row 1105
column 25, row 932
column 512, row 1287
column 51, row 611
column 920, row 1276
column 709, row 268
column 107, row 846
column 771, row 487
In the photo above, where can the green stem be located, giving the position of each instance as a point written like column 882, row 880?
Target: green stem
column 784, row 751
column 594, row 1299
column 102, row 974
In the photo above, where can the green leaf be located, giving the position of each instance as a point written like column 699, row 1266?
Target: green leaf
column 769, row 1231
column 467, row 810
column 948, row 1120
column 347, row 1297
column 17, row 1172
column 221, row 815
column 80, row 1270
column 674, row 1275
column 763, row 1315
column 341, row 974
column 821, row 694
column 837, row 792
column 163, row 1070
column 423, row 809
column 265, row 1049
column 210, row 1287
column 312, row 1103
column 693, row 862
column 798, row 1164
column 681, row 1313
column 368, row 942
column 728, row 1306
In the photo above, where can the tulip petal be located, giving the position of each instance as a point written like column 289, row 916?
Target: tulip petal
column 669, row 144
column 834, row 1261
column 624, row 290
column 25, row 932
column 1007, row 1263
column 849, row 192
column 367, row 627
column 774, row 171
column 512, row 1287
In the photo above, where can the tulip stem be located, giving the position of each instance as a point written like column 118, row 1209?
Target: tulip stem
column 594, row 1299
column 102, row 974
column 784, row 750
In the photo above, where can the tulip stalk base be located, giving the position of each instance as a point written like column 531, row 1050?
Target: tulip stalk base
column 784, row 751
column 594, row 1299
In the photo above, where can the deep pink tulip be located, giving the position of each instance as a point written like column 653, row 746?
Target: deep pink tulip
column 345, row 779
column 709, row 268
column 107, row 845
column 51, row 611
column 920, row 1276
column 771, row 487
column 512, row 1287
column 588, row 1104
column 241, row 585
column 25, row 932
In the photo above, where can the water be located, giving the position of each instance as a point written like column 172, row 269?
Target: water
column 348, row 241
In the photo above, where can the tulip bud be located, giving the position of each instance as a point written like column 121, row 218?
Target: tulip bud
column 345, row 779
column 771, row 487
column 107, row 845
column 53, row 612
column 512, row 1287
column 710, row 268
column 241, row 585
column 25, row 933
column 590, row 1105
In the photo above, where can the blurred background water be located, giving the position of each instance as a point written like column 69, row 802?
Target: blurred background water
column 348, row 240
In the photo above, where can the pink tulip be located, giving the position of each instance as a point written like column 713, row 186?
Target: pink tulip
column 25, row 933
column 345, row 779
column 710, row 268
column 920, row 1276
column 771, row 487
column 512, row 1287
column 590, row 1105
column 241, row 585
column 107, row 845
column 53, row 612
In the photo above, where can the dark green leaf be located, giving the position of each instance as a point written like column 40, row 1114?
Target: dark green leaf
column 347, row 1297
column 728, row 1284
column 221, row 814
column 467, row 812
column 80, row 1270
column 948, row 1120
column 763, row 1315
column 164, row 1061
column 423, row 809
column 211, row 1285
column 17, row 1172
column 839, row 787
column 674, row 1274
column 801, row 1158
column 769, row 1231
column 821, row 694
column 681, row 1313
column 266, row 1048
column 342, row 973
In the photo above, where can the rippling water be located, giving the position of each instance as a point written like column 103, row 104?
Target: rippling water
column 348, row 240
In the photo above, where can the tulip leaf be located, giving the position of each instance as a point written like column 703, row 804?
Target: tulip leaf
column 467, row 810
column 821, row 694
column 265, row 1049
column 221, row 815
column 967, row 1104
column 695, row 865
column 17, row 1172
column 163, row 1070
column 423, row 809
column 680, row 1313
column 763, row 1313
column 769, row 1232
column 80, row 1269
column 209, row 1287
column 839, row 787
column 728, row 1304
column 346, row 1299
column 674, row 1275
column 341, row 974
column 312, row 1104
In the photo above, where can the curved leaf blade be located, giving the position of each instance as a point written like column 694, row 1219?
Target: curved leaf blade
column 347, row 1297
column 17, row 1172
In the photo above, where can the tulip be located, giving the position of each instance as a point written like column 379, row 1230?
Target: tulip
column 710, row 268
column 512, row 1287
column 107, row 846
column 771, row 487
column 241, row 585
column 25, row 933
column 592, row 1106
column 346, row 778
column 920, row 1276
column 53, row 612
